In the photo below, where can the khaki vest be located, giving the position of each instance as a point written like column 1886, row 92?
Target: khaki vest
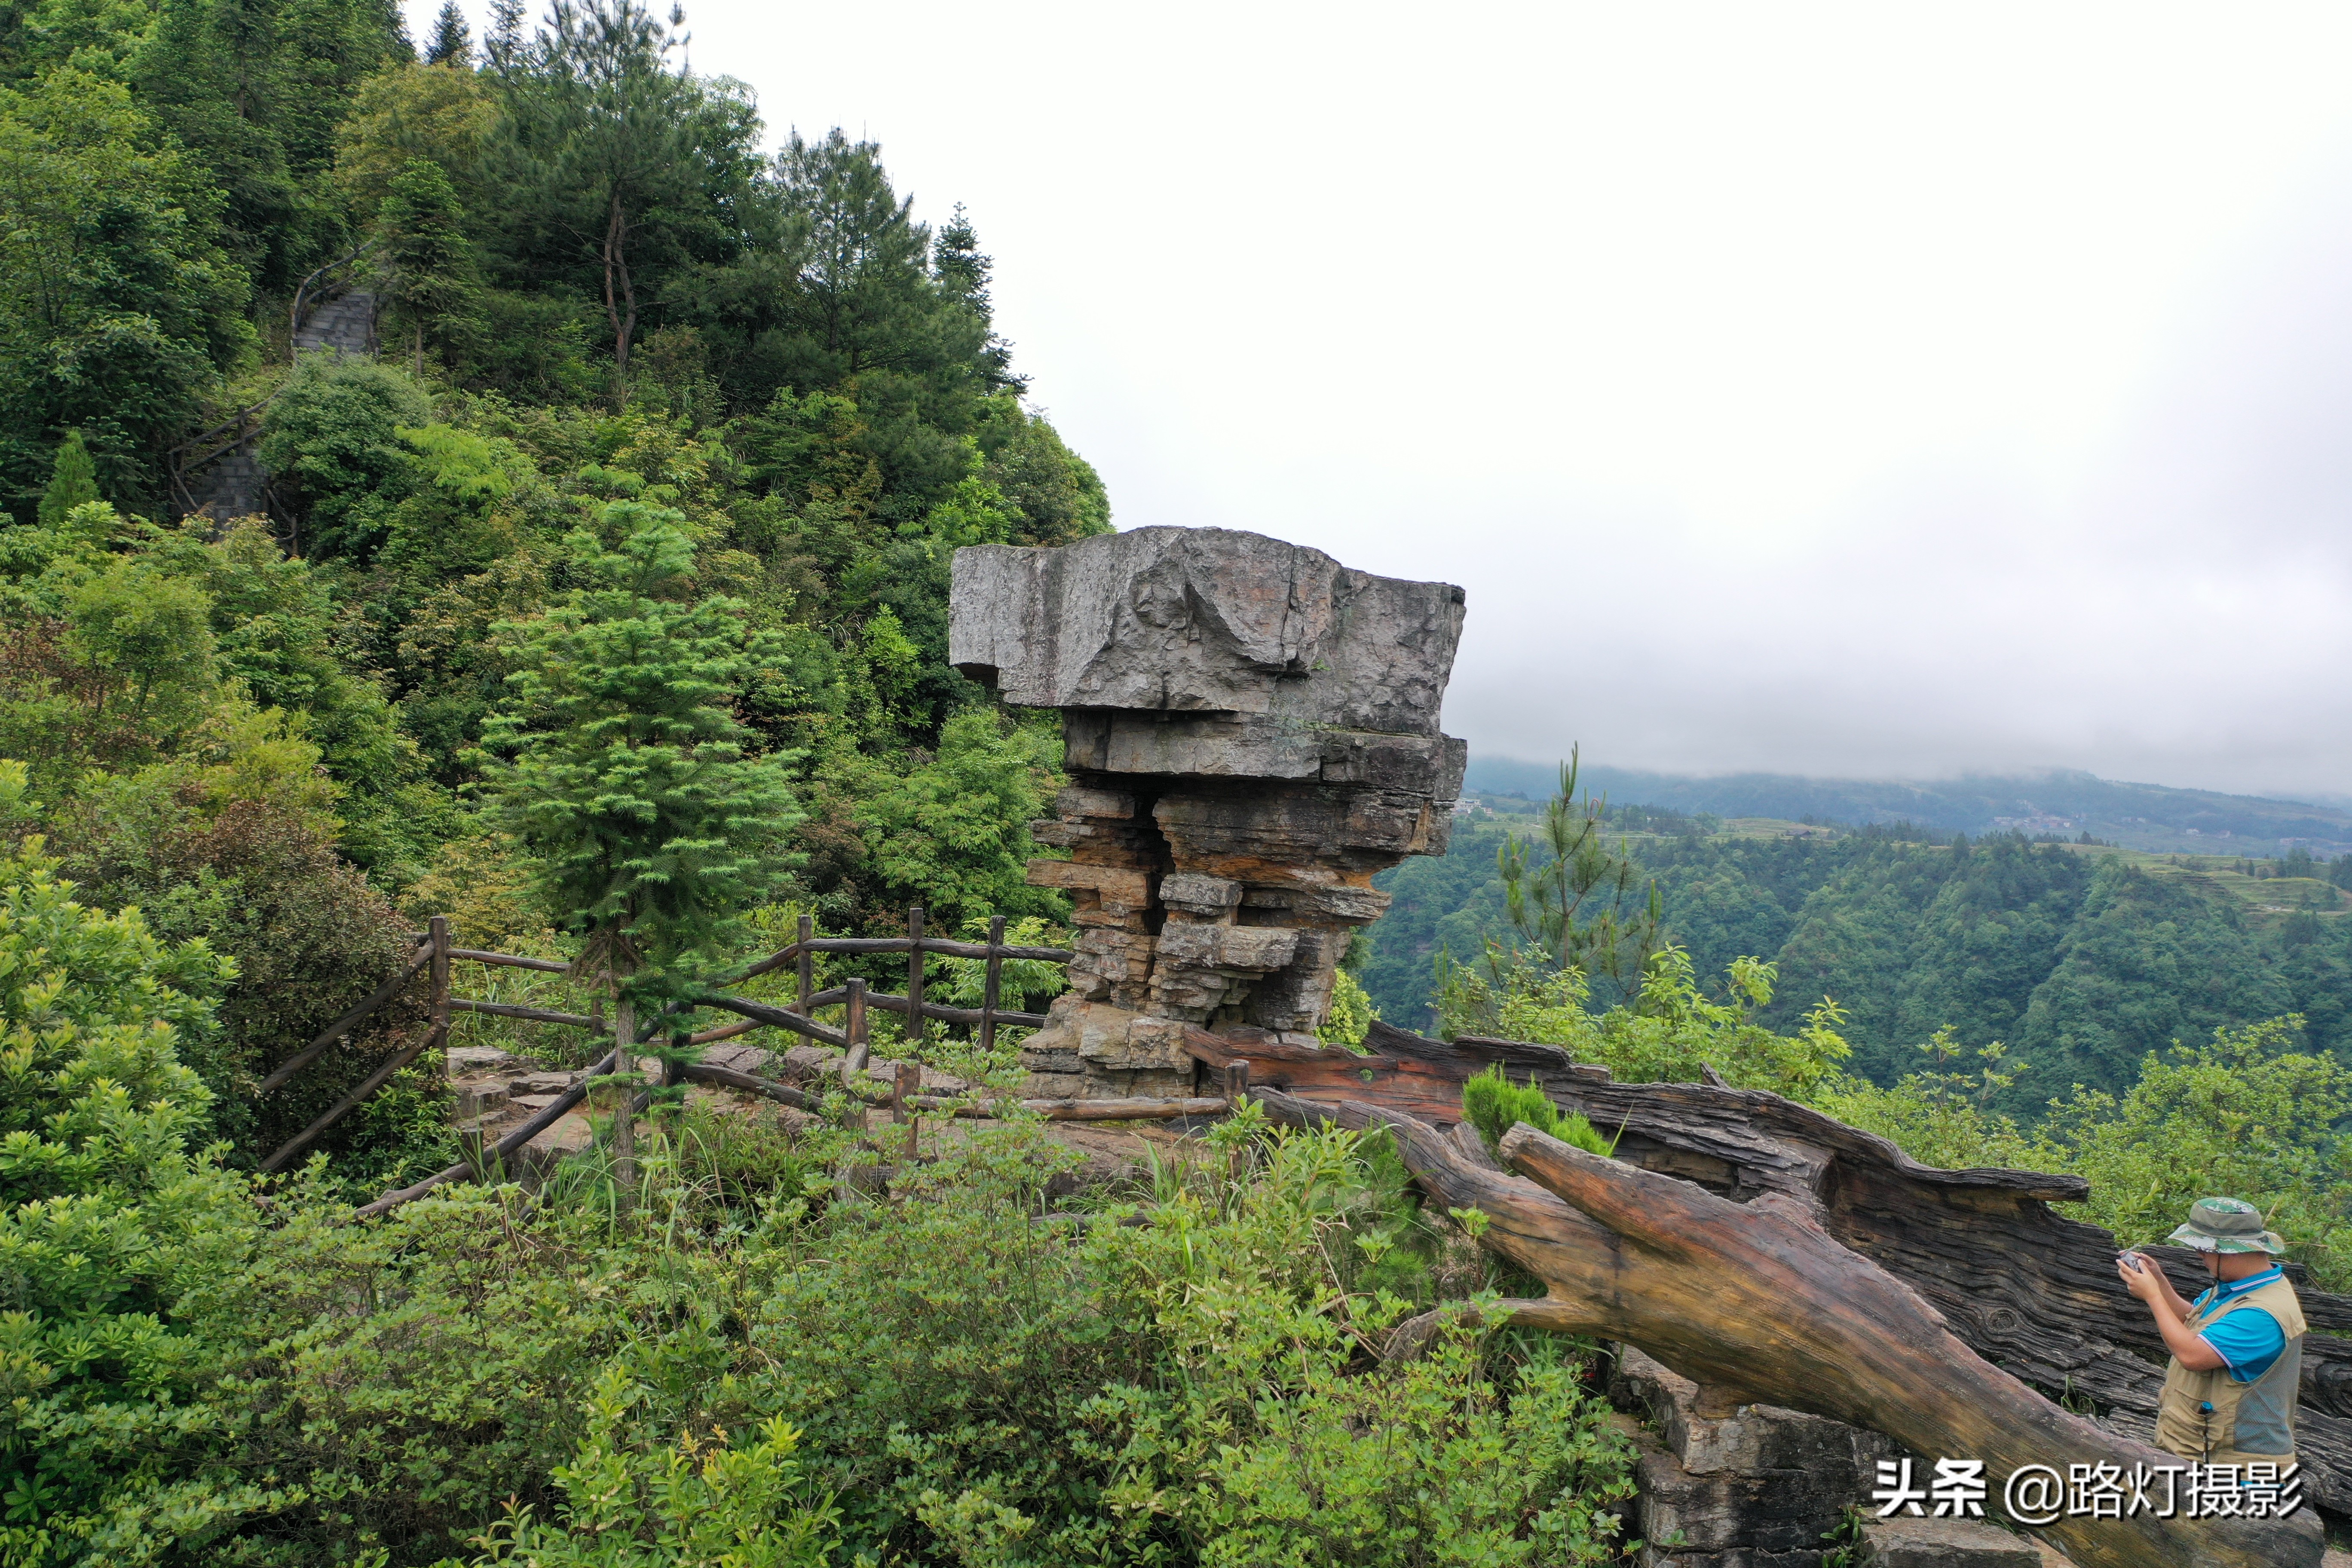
column 2212, row 1418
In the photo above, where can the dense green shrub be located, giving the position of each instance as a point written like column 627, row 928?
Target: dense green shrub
column 1495, row 1105
column 108, row 1220
column 332, row 438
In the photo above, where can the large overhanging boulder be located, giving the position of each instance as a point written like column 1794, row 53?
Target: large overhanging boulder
column 1252, row 729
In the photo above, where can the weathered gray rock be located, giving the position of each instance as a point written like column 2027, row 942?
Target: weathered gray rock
column 1750, row 1486
column 1204, row 620
column 1203, row 898
column 1253, row 732
column 1945, row 1543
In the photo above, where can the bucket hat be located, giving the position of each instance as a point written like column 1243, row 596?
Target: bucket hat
column 2228, row 1225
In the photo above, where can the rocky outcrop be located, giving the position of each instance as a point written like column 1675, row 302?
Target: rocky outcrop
column 1252, row 731
column 1747, row 1485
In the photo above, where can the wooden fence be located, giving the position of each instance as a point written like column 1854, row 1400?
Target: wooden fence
column 435, row 955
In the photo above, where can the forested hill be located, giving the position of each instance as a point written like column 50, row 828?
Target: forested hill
column 637, row 364
column 2081, row 958
column 2134, row 815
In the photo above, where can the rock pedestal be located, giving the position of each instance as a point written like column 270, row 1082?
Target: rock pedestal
column 1751, row 1486
column 1252, row 733
column 1756, row 1486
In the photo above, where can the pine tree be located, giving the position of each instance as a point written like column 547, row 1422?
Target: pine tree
column 502, row 44
column 453, row 41
column 73, row 481
column 433, row 281
column 648, row 826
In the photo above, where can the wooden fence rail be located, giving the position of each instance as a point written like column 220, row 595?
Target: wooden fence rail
column 435, row 952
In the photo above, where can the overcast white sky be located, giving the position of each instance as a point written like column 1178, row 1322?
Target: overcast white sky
column 1824, row 389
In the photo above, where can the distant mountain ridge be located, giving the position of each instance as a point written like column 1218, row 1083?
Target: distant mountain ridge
column 2064, row 802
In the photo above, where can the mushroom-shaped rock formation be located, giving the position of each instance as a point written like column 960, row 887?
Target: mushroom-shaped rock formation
column 1251, row 730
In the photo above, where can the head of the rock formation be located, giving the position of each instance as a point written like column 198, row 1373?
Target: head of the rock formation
column 1252, row 731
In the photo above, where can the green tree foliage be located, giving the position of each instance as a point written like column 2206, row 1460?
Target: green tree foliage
column 428, row 263
column 407, row 115
column 73, row 481
column 332, row 436
column 111, row 1219
column 1671, row 1032
column 2151, row 959
column 253, row 88
column 629, row 169
column 2250, row 1113
column 453, row 40
column 118, row 305
column 2078, row 960
column 628, row 782
column 955, row 831
column 1570, row 893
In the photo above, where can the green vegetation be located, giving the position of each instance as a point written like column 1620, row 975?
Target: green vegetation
column 605, row 610
column 760, row 1363
column 1495, row 1105
column 2154, row 981
column 2081, row 958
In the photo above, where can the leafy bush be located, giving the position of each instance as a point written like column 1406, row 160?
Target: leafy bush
column 333, row 435
column 2247, row 1114
column 1352, row 1013
column 684, row 1505
column 111, row 1220
column 1670, row 1034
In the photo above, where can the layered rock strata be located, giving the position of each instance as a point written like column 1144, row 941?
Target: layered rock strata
column 1252, row 733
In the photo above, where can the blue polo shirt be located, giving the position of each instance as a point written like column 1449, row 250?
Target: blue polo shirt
column 2248, row 1340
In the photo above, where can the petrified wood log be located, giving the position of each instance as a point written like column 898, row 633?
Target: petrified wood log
column 2026, row 1288
column 1758, row 1300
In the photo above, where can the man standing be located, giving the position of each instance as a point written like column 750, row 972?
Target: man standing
column 2237, row 1350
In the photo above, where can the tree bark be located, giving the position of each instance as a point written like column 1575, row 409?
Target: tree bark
column 621, row 311
column 1759, row 1301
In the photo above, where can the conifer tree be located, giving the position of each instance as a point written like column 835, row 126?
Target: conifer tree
column 648, row 826
column 433, row 279
column 73, row 481
column 453, row 41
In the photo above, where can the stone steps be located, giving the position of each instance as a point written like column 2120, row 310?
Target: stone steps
column 498, row 1092
column 345, row 323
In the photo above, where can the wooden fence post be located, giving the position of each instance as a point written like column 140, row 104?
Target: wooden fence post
column 909, row 1083
column 807, row 965
column 989, row 989
column 624, row 1130
column 915, row 975
column 856, row 1057
column 437, row 932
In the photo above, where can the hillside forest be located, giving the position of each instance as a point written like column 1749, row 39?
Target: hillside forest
column 600, row 607
column 2080, row 958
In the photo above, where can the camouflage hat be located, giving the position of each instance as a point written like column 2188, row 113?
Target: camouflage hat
column 2228, row 1225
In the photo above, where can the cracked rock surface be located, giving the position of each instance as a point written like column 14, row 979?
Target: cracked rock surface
column 1252, row 733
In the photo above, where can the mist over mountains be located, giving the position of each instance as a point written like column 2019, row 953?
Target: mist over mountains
column 2062, row 801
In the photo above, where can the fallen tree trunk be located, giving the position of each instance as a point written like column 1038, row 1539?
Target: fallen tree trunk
column 1759, row 1302
column 2029, row 1290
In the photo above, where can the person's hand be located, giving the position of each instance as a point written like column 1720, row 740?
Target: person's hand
column 2143, row 1282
